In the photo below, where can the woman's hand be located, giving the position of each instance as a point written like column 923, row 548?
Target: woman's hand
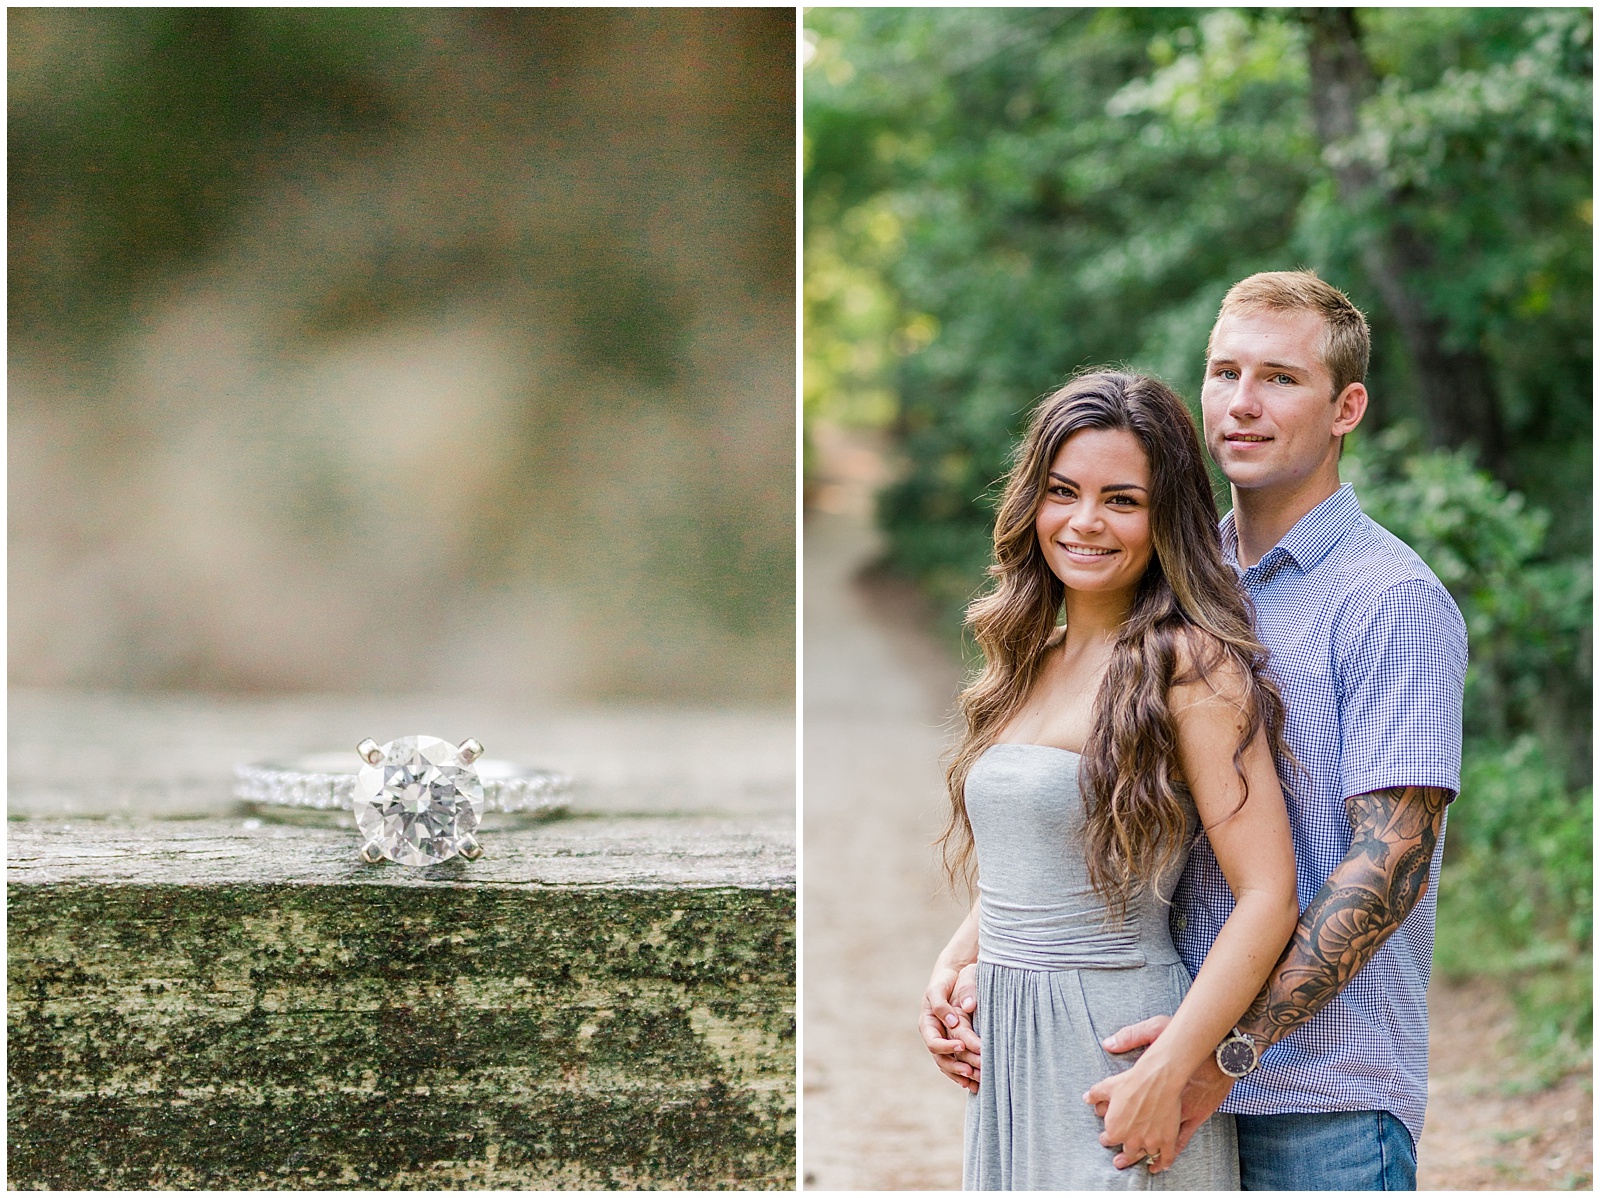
column 946, row 1024
column 1205, row 1091
column 1143, row 1112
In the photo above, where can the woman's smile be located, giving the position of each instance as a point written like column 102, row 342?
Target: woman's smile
column 1086, row 551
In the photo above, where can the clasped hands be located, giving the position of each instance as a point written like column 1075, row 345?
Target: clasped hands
column 946, row 1024
column 1138, row 1109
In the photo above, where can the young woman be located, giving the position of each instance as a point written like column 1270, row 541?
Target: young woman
column 1123, row 709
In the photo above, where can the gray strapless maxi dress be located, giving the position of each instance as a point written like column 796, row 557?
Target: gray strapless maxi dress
column 1054, row 979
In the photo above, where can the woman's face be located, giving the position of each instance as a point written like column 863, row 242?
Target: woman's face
column 1094, row 521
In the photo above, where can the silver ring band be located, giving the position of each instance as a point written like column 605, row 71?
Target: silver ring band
column 318, row 782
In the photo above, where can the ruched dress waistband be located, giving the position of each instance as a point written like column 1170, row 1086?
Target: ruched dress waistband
column 1060, row 936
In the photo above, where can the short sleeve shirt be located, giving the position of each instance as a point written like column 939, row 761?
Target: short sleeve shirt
column 1370, row 653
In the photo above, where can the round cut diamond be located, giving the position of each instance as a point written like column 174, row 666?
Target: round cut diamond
column 420, row 803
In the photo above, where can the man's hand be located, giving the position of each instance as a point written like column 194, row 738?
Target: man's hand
column 1202, row 1095
column 948, row 1005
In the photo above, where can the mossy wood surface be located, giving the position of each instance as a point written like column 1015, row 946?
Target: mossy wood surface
column 218, row 1002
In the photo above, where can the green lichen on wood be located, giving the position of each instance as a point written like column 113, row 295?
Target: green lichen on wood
column 240, row 1037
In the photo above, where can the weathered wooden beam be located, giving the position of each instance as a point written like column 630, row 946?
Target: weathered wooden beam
column 245, row 849
column 229, row 1002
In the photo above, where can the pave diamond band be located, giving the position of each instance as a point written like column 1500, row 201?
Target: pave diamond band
column 301, row 783
column 417, row 800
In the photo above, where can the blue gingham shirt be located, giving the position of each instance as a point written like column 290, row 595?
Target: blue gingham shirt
column 1370, row 653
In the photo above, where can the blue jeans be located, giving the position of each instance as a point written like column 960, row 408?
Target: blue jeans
column 1341, row 1150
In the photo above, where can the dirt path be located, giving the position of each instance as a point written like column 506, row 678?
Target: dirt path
column 877, row 1116
column 1489, row 1127
column 876, row 1113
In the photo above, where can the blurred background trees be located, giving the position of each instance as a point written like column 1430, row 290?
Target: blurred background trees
column 403, row 349
column 997, row 197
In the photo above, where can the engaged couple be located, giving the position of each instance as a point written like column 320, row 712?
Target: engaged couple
column 1201, row 787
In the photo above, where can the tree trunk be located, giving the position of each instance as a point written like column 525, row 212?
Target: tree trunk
column 1454, row 387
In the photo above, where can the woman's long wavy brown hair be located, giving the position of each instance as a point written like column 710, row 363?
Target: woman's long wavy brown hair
column 1189, row 616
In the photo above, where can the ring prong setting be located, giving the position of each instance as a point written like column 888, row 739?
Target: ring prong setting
column 370, row 752
column 372, row 852
column 469, row 750
column 470, row 848
column 417, row 798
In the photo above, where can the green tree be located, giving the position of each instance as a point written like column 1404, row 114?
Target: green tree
column 1079, row 186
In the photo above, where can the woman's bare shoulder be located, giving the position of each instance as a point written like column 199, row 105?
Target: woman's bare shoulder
column 1207, row 667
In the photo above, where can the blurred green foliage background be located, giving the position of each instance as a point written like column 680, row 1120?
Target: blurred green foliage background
column 997, row 197
column 403, row 349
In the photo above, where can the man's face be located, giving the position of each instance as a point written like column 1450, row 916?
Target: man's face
column 1270, row 419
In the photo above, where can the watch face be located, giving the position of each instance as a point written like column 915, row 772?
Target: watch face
column 1236, row 1057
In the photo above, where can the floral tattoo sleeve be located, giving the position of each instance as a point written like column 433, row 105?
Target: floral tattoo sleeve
column 1373, row 889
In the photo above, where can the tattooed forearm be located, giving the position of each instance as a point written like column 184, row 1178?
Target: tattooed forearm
column 1373, row 889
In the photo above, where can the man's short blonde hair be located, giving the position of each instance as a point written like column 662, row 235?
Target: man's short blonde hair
column 1346, row 341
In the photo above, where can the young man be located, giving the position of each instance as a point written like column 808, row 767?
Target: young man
column 1330, row 1063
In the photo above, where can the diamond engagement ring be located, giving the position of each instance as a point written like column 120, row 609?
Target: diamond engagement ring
column 417, row 800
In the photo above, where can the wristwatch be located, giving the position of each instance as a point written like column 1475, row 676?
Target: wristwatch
column 1237, row 1055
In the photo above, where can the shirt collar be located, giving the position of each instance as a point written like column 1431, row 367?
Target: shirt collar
column 1312, row 536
